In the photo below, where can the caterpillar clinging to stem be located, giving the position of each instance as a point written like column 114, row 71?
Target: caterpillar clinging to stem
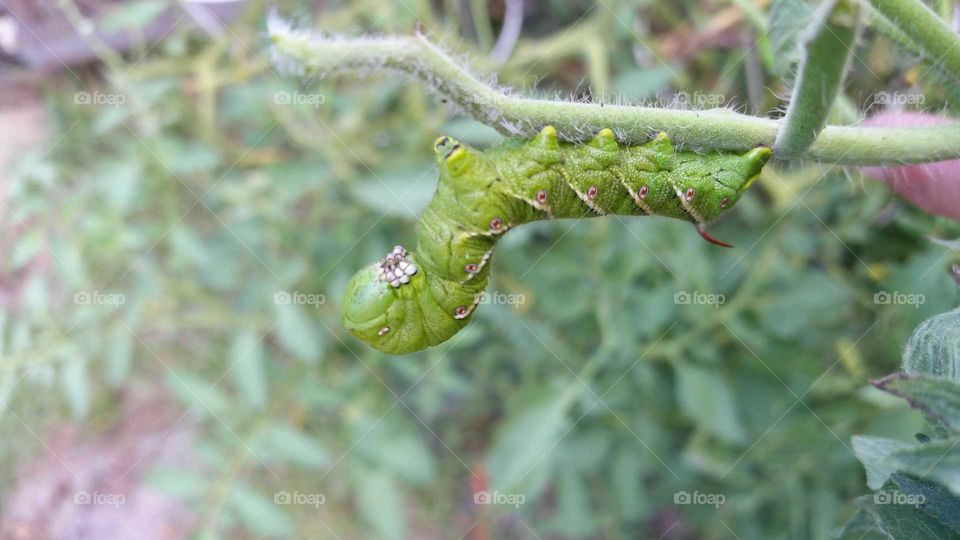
column 409, row 301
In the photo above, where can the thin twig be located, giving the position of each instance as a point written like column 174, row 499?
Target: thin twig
column 937, row 42
column 509, row 33
column 311, row 54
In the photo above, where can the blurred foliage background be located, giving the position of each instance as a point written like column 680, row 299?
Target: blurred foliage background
column 218, row 184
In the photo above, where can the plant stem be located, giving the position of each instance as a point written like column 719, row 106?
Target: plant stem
column 828, row 51
column 307, row 53
column 937, row 42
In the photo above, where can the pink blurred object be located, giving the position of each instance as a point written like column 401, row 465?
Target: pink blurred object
column 934, row 187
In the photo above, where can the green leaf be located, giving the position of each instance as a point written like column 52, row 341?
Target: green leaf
column 120, row 181
column 786, row 22
column 287, row 443
column 525, row 442
column 938, row 502
column 401, row 193
column 406, row 455
column 934, row 347
column 706, row 397
column 937, row 460
column 873, row 453
column 184, row 157
column 76, row 386
column 178, row 482
column 119, row 352
column 635, row 84
column 626, row 477
column 296, row 332
column 900, row 521
column 191, row 389
column 574, row 516
column 381, row 504
column 935, row 396
column 257, row 512
column 246, row 361
column 813, row 302
column 25, row 249
column 862, row 526
column 132, row 15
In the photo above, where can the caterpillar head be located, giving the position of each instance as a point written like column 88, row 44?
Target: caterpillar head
column 731, row 175
column 395, row 307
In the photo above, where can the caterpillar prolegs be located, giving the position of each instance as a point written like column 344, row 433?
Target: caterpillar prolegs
column 409, row 301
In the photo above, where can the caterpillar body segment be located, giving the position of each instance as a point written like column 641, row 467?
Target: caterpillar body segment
column 409, row 301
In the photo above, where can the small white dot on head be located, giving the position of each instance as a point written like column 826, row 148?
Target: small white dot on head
column 383, row 330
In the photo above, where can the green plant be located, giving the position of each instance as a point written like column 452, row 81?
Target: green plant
column 643, row 364
column 302, row 52
column 917, row 483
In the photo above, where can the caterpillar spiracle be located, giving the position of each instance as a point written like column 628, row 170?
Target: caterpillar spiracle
column 408, row 301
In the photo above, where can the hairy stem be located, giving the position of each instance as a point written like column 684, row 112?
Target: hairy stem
column 937, row 42
column 307, row 53
column 828, row 50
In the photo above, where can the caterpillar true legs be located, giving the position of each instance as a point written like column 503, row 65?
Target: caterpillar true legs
column 409, row 301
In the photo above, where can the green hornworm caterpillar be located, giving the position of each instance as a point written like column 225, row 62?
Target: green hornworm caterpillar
column 409, row 301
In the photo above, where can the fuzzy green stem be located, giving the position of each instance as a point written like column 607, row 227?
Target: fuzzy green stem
column 308, row 53
column 828, row 51
column 887, row 28
column 938, row 43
